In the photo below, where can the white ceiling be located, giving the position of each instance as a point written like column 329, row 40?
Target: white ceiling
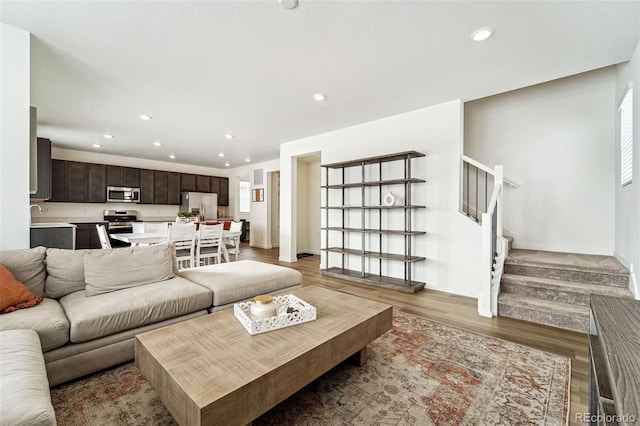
column 205, row 68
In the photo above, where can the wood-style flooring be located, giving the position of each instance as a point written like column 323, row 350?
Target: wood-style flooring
column 457, row 311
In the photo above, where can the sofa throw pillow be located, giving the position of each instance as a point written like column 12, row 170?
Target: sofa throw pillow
column 116, row 269
column 27, row 266
column 65, row 272
column 13, row 294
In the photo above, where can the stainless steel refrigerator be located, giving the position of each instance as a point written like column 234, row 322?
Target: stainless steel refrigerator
column 206, row 204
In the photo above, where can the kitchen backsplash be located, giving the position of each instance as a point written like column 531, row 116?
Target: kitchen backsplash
column 74, row 211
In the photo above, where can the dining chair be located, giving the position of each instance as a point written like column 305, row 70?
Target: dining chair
column 103, row 235
column 233, row 243
column 209, row 245
column 183, row 235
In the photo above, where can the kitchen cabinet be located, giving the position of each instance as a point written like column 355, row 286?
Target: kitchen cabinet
column 173, row 188
column 97, row 183
column 147, row 184
column 72, row 181
column 56, row 235
column 43, row 191
column 77, row 179
column 87, row 235
column 58, row 180
column 131, row 177
column 187, row 182
column 161, row 182
column 203, row 183
column 115, row 176
column 128, row 177
column 223, row 191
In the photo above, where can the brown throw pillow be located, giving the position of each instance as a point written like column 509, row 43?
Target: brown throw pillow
column 13, row 294
column 226, row 226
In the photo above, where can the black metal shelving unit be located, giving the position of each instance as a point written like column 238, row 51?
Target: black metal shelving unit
column 407, row 283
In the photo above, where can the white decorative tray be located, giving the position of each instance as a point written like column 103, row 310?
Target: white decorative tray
column 302, row 312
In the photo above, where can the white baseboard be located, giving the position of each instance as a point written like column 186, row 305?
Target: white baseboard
column 453, row 290
column 288, row 260
column 265, row 246
column 633, row 281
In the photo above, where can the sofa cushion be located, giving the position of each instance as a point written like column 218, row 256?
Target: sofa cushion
column 13, row 294
column 24, row 389
column 110, row 270
column 235, row 281
column 109, row 313
column 47, row 318
column 27, row 265
column 65, row 272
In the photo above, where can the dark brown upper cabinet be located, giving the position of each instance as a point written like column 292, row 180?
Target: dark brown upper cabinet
column 115, row 176
column 203, row 183
column 147, row 181
column 173, row 188
column 161, row 182
column 187, row 182
column 43, row 192
column 77, row 180
column 223, row 191
column 58, row 180
column 97, row 192
column 131, row 177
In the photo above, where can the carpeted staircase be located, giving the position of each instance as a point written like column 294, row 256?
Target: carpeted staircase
column 553, row 288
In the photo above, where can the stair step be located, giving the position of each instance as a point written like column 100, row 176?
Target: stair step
column 592, row 269
column 555, row 314
column 558, row 290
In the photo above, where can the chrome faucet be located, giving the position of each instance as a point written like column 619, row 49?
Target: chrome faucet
column 38, row 206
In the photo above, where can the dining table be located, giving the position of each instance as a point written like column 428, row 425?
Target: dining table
column 148, row 238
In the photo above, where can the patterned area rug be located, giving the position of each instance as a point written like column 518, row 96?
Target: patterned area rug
column 420, row 373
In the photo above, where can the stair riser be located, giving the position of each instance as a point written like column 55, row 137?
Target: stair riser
column 567, row 322
column 551, row 294
column 568, row 275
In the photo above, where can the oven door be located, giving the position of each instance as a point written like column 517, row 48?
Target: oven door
column 120, row 229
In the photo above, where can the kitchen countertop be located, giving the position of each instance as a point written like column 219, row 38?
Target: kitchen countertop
column 52, row 225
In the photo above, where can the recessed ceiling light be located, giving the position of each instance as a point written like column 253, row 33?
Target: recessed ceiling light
column 107, row 136
column 172, row 156
column 97, row 145
column 145, row 117
column 288, row 4
column 247, row 159
column 228, row 136
column 221, row 154
column 318, row 97
column 157, row 143
column 227, row 164
column 482, row 34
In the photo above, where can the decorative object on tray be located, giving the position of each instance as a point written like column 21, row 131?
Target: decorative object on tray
column 289, row 310
column 263, row 307
column 389, row 199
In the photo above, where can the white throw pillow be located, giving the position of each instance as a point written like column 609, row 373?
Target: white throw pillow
column 110, row 270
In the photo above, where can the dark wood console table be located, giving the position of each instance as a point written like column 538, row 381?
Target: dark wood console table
column 614, row 361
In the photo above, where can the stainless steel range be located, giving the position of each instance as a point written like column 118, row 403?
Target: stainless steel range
column 120, row 221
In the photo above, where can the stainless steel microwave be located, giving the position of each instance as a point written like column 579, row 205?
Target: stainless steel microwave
column 118, row 194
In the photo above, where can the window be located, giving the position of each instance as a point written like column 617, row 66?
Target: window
column 245, row 196
column 626, row 138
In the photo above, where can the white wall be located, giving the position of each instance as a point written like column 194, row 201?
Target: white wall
column 557, row 140
column 260, row 216
column 94, row 211
column 274, row 199
column 627, row 198
column 308, row 207
column 14, row 138
column 452, row 242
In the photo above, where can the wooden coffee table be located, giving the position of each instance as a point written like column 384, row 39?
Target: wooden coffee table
column 209, row 370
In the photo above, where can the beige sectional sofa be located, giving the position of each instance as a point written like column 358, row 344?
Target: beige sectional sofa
column 96, row 301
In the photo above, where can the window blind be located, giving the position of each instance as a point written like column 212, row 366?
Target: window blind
column 626, row 138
